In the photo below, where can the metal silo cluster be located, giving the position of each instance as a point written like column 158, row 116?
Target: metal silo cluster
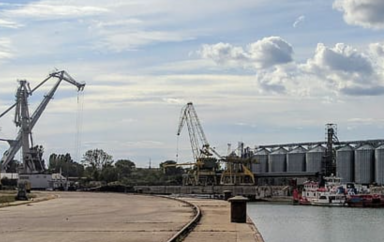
column 360, row 162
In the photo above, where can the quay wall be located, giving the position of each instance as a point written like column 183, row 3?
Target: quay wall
column 252, row 192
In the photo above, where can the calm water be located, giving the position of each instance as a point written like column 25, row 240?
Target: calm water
column 288, row 223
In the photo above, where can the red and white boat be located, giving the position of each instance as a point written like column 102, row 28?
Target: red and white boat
column 332, row 194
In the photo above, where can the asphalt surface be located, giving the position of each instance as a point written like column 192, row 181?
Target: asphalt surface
column 94, row 217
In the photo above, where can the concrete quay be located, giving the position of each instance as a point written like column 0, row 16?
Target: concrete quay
column 86, row 217
column 94, row 217
column 215, row 224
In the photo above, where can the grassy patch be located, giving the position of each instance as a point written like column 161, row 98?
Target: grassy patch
column 7, row 198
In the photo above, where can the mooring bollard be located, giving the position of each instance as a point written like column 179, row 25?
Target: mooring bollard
column 227, row 194
column 238, row 209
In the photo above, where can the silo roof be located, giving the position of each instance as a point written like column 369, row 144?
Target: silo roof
column 318, row 148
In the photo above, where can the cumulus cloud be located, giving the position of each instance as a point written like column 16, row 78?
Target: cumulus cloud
column 365, row 13
column 270, row 51
column 262, row 54
column 224, row 53
column 339, row 69
column 341, row 58
column 298, row 21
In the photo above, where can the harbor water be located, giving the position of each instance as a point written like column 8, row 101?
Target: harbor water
column 289, row 223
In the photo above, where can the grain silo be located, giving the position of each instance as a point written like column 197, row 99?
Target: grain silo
column 261, row 157
column 379, row 165
column 345, row 163
column 364, row 156
column 296, row 160
column 314, row 158
column 277, row 160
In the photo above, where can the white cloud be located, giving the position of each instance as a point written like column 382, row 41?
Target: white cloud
column 341, row 58
column 129, row 41
column 340, row 69
column 224, row 53
column 298, row 21
column 9, row 24
column 264, row 53
column 54, row 10
column 5, row 48
column 348, row 70
column 270, row 51
column 365, row 13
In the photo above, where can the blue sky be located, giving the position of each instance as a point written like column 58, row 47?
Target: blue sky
column 256, row 71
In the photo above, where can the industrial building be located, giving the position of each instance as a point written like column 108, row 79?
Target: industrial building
column 355, row 161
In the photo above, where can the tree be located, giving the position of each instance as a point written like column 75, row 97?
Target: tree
column 60, row 163
column 124, row 167
column 109, row 174
column 98, row 159
column 95, row 161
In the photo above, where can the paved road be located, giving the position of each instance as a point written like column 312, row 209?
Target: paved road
column 94, row 217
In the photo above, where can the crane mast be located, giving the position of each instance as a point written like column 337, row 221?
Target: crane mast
column 31, row 155
column 206, row 166
column 199, row 144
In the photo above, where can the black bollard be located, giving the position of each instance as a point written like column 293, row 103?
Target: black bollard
column 238, row 209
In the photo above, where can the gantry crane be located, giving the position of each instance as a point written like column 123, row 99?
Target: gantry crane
column 237, row 170
column 206, row 166
column 31, row 154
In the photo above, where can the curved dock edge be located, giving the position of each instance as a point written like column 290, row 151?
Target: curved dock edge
column 215, row 224
column 179, row 236
column 258, row 236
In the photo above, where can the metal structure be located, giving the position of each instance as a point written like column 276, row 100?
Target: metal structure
column 237, row 167
column 261, row 156
column 207, row 160
column 364, row 156
column 314, row 158
column 206, row 166
column 277, row 160
column 296, row 160
column 31, row 154
column 379, row 165
column 344, row 163
column 328, row 166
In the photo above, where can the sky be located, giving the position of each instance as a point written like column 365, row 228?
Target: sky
column 259, row 72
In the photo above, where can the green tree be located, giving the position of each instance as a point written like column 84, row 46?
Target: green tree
column 109, row 174
column 95, row 161
column 60, row 163
column 124, row 168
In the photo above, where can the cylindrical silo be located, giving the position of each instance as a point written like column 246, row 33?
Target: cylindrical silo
column 277, row 160
column 379, row 165
column 261, row 157
column 314, row 158
column 296, row 160
column 364, row 164
column 344, row 163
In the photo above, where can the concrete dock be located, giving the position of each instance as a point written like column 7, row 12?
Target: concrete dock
column 94, row 217
column 215, row 224
column 86, row 217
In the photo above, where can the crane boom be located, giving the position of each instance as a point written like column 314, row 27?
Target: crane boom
column 199, row 143
column 27, row 123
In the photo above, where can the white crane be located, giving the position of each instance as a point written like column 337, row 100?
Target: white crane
column 31, row 155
